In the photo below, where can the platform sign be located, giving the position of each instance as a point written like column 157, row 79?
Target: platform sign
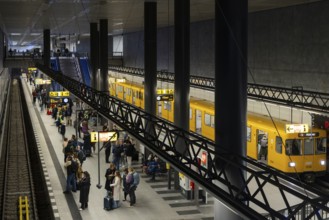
column 165, row 97
column 59, row 93
column 296, row 128
column 39, row 81
column 103, row 136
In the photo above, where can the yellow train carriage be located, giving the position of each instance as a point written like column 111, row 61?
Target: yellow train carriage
column 303, row 153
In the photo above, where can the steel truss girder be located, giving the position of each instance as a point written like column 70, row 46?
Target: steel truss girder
column 294, row 97
column 245, row 200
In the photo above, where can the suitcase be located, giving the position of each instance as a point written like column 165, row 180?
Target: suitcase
column 135, row 156
column 108, row 203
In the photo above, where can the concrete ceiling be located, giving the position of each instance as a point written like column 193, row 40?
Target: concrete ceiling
column 23, row 21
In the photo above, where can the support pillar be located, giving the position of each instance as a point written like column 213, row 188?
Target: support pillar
column 182, row 73
column 150, row 63
column 94, row 52
column 103, row 54
column 231, row 87
column 46, row 47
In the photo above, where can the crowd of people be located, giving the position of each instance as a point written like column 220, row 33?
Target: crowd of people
column 120, row 177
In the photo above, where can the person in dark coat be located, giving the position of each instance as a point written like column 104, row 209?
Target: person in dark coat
column 84, row 190
column 109, row 175
column 125, row 184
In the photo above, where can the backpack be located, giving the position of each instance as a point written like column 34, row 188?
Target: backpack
column 136, row 178
column 81, row 156
column 74, row 166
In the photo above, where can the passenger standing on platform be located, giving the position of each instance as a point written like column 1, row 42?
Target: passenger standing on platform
column 72, row 166
column 125, row 184
column 68, row 114
column 117, row 150
column 84, row 185
column 116, row 189
column 130, row 182
column 65, row 142
column 34, row 95
column 109, row 175
column 63, row 130
column 130, row 150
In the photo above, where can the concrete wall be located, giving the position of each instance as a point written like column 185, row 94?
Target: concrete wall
column 287, row 47
column 2, row 52
column 290, row 46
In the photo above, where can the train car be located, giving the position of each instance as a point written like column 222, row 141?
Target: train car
column 302, row 152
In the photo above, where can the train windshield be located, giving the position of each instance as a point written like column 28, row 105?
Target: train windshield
column 321, row 145
column 310, row 146
column 293, row 146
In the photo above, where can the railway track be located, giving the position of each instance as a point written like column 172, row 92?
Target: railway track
column 22, row 179
column 18, row 180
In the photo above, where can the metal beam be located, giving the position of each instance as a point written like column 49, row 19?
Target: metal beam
column 245, row 201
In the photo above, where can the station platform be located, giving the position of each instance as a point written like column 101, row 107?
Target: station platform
column 154, row 199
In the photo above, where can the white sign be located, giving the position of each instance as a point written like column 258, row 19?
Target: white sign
column 296, row 128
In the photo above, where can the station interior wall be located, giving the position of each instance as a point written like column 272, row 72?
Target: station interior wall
column 287, row 47
column 2, row 40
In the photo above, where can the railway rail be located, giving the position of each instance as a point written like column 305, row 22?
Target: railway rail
column 24, row 193
column 18, row 177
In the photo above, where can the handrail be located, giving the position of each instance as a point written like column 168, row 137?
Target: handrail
column 291, row 97
column 162, row 140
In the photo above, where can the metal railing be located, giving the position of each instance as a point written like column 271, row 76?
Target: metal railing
column 249, row 200
column 294, row 97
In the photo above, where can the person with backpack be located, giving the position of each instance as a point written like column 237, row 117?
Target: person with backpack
column 81, row 155
column 72, row 166
column 133, row 180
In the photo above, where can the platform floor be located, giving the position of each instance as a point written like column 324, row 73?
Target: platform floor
column 154, row 200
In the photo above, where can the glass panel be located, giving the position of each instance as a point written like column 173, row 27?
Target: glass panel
column 321, row 144
column 293, row 147
column 308, row 147
column 212, row 118
column 248, row 133
column 190, row 113
column 207, row 119
column 278, row 144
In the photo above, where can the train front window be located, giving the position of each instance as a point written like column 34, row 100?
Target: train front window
column 308, row 146
column 293, row 147
column 321, row 144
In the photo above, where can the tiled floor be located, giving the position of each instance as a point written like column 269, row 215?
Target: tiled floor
column 154, row 200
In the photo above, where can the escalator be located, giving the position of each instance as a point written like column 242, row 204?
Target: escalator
column 84, row 67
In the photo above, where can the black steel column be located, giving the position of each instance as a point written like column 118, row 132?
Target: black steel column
column 94, row 52
column 182, row 67
column 103, row 55
column 46, row 47
column 150, row 56
column 231, row 86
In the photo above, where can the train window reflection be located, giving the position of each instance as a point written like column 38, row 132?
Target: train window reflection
column 293, row 147
column 248, row 133
column 308, row 146
column 278, row 145
column 209, row 120
column 321, row 144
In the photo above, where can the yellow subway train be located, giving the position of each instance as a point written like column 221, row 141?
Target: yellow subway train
column 288, row 148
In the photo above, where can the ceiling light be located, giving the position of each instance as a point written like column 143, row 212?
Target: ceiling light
column 35, row 34
column 15, row 34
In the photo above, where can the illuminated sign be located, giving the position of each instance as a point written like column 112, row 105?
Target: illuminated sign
column 103, row 136
column 39, row 81
column 121, row 80
column 311, row 134
column 59, row 93
column 296, row 128
column 165, row 97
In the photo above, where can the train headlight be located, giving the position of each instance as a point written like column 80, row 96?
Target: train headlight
column 292, row 164
column 323, row 162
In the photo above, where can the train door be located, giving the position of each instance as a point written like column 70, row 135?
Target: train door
column 262, row 144
column 125, row 94
column 198, row 121
column 159, row 113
